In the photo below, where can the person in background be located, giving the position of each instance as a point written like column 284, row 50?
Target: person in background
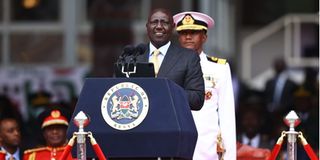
column 54, row 127
column 215, row 122
column 251, row 122
column 279, row 89
column 178, row 64
column 10, row 138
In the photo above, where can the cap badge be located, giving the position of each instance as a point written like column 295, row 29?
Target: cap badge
column 188, row 19
column 55, row 113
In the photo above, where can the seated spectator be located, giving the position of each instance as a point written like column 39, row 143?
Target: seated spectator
column 250, row 126
column 10, row 138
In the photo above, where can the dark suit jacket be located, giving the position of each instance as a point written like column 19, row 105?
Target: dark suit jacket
column 183, row 67
column 286, row 100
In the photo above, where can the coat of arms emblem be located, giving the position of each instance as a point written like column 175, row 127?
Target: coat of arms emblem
column 124, row 106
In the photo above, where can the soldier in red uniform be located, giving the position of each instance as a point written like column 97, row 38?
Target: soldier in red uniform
column 54, row 127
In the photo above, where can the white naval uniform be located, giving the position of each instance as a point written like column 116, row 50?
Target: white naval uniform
column 221, row 104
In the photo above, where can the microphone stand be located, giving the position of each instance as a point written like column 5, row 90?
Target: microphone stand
column 139, row 50
column 127, row 51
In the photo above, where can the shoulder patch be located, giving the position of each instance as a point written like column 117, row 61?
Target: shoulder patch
column 35, row 150
column 217, row 60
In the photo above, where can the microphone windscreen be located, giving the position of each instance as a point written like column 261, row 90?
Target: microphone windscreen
column 141, row 48
column 128, row 50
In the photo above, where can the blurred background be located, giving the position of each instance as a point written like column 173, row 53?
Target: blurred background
column 48, row 48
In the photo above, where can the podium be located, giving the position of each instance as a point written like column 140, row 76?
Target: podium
column 137, row 117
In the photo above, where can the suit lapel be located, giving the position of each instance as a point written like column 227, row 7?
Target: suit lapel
column 169, row 60
column 172, row 56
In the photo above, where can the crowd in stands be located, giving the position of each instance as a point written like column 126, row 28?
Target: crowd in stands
column 260, row 114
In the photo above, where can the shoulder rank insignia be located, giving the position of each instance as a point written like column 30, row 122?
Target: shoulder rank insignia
column 217, row 60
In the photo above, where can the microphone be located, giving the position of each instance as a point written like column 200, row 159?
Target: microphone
column 139, row 50
column 127, row 51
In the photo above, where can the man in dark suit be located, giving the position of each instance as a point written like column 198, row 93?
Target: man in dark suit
column 279, row 89
column 173, row 62
column 10, row 138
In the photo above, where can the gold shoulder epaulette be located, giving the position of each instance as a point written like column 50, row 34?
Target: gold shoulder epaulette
column 217, row 60
column 35, row 150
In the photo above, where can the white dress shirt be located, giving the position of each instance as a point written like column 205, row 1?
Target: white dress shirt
column 15, row 154
column 254, row 142
column 163, row 51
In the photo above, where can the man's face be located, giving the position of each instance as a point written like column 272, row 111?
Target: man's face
column 192, row 39
column 159, row 27
column 10, row 135
column 250, row 123
column 55, row 135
